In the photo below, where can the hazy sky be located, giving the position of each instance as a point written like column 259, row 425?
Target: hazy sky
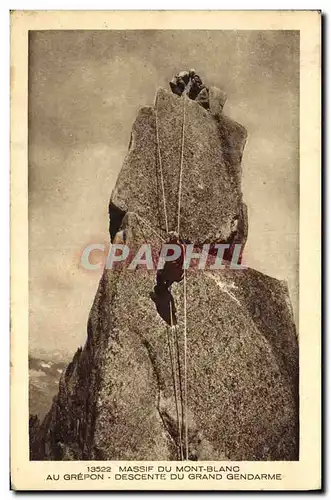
column 85, row 90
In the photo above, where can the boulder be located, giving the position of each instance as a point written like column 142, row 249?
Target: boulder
column 117, row 400
column 123, row 395
column 211, row 197
column 217, row 99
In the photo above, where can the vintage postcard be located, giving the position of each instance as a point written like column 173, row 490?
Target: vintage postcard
column 165, row 241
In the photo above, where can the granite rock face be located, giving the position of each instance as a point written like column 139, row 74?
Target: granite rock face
column 211, row 199
column 116, row 399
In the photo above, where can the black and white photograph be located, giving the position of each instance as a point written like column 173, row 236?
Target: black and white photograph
column 164, row 244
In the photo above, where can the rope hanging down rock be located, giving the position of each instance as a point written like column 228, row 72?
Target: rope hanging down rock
column 183, row 425
column 161, row 169
column 184, row 281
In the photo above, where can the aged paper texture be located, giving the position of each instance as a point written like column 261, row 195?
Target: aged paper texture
column 165, row 243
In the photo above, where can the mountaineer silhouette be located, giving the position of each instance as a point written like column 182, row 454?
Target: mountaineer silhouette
column 189, row 83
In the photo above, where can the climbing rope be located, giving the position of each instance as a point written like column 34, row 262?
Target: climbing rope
column 161, row 169
column 185, row 370
column 172, row 352
column 184, row 418
column 183, row 425
column 144, row 221
column 181, row 168
column 174, row 347
column 182, row 430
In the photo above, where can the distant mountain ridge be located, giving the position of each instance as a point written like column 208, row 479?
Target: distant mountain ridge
column 44, row 376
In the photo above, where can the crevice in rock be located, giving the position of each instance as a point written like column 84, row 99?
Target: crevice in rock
column 165, row 306
column 116, row 216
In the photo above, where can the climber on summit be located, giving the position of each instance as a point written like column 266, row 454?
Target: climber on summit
column 196, row 86
column 180, row 81
column 189, row 83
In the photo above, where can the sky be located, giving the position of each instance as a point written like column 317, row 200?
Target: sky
column 85, row 88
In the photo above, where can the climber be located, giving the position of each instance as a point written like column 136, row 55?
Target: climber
column 181, row 81
column 198, row 91
column 196, row 86
column 172, row 270
column 189, row 83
